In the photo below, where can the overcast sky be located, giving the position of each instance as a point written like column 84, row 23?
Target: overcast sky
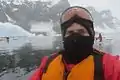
column 113, row 5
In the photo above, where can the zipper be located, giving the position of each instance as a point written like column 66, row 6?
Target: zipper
column 66, row 73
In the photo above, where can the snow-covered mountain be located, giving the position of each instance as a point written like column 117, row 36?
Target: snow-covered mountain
column 22, row 12
column 17, row 36
column 10, row 30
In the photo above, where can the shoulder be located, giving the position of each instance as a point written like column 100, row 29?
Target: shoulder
column 38, row 72
column 46, row 61
column 111, row 66
column 108, row 57
column 43, row 66
column 109, row 60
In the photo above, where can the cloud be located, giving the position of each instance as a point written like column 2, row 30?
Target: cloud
column 99, row 5
column 95, row 3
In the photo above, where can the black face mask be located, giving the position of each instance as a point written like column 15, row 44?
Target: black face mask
column 77, row 48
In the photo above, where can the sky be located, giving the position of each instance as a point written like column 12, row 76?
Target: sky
column 99, row 5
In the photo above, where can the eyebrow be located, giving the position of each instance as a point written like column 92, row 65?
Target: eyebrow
column 81, row 29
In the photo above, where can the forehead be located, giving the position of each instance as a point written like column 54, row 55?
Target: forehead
column 75, row 26
column 75, row 11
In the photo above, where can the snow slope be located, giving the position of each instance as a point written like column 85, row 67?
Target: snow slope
column 8, row 29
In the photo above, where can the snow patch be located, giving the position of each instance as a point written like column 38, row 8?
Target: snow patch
column 8, row 29
column 46, row 27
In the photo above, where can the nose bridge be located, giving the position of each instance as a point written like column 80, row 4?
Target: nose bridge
column 75, row 28
column 75, row 31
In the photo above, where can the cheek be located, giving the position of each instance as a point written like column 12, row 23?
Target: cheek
column 66, row 35
column 86, row 34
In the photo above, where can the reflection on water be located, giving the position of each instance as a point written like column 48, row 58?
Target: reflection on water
column 21, row 55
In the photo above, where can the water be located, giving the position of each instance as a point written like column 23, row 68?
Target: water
column 110, row 44
column 38, row 42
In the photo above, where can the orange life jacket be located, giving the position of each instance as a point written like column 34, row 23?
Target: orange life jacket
column 106, row 67
column 82, row 71
column 52, row 68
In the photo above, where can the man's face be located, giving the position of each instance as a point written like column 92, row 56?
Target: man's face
column 75, row 27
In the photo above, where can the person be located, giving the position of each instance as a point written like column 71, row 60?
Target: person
column 100, row 42
column 99, row 37
column 78, row 60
